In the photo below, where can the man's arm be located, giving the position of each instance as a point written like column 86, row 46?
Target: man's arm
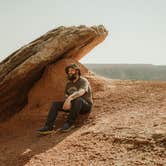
column 82, row 90
column 66, row 95
column 76, row 94
column 67, row 104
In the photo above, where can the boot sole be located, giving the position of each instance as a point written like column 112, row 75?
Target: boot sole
column 67, row 129
column 45, row 132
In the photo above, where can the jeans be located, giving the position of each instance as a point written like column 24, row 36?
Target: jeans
column 78, row 106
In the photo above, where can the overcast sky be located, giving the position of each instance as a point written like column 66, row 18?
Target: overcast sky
column 137, row 28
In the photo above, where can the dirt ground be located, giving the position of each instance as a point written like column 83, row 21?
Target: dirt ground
column 127, row 127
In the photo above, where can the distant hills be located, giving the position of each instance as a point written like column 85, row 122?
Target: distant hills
column 129, row 71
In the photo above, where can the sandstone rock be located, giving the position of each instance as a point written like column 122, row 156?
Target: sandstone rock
column 21, row 69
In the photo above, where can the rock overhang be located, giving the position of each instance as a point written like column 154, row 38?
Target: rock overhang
column 20, row 70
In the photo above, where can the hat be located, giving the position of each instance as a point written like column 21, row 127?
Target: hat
column 73, row 65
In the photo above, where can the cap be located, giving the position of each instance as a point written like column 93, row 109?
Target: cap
column 73, row 65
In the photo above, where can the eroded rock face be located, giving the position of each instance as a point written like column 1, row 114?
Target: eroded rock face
column 20, row 70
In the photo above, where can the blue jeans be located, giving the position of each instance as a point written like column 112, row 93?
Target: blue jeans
column 78, row 106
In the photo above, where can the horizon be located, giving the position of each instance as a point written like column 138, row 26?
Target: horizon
column 124, row 64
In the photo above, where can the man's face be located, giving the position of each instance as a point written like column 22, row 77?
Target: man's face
column 72, row 74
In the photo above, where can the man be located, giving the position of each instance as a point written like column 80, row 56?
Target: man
column 78, row 100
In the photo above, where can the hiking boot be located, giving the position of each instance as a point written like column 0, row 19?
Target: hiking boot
column 67, row 127
column 45, row 130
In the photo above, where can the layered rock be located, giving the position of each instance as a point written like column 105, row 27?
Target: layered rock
column 20, row 70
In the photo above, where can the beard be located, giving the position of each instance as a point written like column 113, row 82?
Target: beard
column 72, row 77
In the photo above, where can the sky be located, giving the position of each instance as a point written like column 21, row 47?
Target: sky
column 137, row 28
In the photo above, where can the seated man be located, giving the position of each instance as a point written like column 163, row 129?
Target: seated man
column 78, row 100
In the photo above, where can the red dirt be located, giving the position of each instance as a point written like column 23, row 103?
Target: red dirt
column 127, row 126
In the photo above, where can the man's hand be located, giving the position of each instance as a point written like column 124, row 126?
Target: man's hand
column 67, row 104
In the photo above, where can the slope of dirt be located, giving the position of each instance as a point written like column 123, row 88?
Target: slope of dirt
column 127, row 127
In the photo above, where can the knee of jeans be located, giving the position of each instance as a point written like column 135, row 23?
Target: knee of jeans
column 77, row 100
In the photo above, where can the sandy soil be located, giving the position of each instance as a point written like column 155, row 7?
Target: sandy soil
column 127, row 127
